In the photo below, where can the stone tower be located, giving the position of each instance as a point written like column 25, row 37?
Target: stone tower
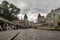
column 39, row 18
column 25, row 20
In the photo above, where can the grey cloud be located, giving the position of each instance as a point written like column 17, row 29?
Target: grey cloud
column 38, row 5
column 43, row 5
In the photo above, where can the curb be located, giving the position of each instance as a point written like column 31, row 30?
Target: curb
column 12, row 37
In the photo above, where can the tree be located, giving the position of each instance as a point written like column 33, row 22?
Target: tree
column 58, row 16
column 14, row 9
column 8, row 11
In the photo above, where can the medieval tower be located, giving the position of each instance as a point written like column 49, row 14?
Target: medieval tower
column 25, row 20
column 39, row 18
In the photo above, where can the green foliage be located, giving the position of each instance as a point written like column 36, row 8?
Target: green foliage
column 59, row 17
column 8, row 11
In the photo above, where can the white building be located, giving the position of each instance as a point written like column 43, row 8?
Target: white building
column 54, row 15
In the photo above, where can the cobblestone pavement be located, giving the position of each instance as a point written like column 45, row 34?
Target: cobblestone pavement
column 5, row 35
column 35, row 34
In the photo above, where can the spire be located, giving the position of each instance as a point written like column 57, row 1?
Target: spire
column 25, row 16
column 39, row 15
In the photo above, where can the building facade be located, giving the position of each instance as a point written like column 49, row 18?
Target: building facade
column 53, row 17
column 26, row 24
column 41, row 19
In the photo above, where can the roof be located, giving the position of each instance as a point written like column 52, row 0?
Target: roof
column 25, row 16
column 39, row 15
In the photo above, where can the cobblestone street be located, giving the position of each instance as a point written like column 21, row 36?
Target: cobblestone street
column 35, row 34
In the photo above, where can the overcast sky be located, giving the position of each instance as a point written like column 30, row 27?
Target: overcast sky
column 33, row 7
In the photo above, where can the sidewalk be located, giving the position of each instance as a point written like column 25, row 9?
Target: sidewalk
column 7, row 35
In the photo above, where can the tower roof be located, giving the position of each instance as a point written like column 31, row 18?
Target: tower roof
column 39, row 15
column 25, row 16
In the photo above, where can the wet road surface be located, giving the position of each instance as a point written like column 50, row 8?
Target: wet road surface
column 35, row 34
